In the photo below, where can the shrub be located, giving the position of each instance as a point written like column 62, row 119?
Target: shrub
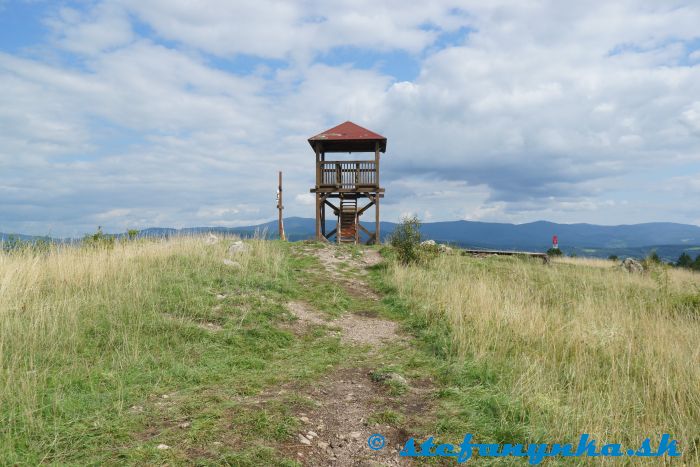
column 684, row 260
column 98, row 240
column 554, row 252
column 406, row 240
column 654, row 257
column 613, row 258
column 651, row 261
column 696, row 264
column 132, row 234
column 15, row 244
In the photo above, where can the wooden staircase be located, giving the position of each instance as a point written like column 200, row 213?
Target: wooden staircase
column 347, row 221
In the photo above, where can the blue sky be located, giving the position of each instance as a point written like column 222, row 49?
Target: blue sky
column 129, row 114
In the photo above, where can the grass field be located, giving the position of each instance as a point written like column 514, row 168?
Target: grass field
column 549, row 352
column 107, row 353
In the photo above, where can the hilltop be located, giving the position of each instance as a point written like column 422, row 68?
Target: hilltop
column 193, row 351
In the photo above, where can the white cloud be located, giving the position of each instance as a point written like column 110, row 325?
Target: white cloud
column 691, row 117
column 305, row 199
column 112, row 214
column 279, row 29
column 104, row 27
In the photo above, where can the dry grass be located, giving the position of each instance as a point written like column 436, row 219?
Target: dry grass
column 593, row 262
column 584, row 347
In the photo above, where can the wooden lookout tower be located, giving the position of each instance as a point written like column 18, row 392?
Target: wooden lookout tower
column 348, row 183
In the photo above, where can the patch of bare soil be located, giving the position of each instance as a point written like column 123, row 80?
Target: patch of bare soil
column 345, row 268
column 306, row 316
column 334, row 258
column 371, row 257
column 353, row 328
column 337, row 430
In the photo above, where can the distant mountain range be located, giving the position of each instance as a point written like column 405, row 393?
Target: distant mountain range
column 668, row 239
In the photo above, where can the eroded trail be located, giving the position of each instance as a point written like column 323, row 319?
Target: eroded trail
column 356, row 400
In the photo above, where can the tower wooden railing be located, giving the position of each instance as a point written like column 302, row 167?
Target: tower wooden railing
column 347, row 175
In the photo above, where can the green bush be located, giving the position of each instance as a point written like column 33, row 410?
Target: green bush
column 613, row 258
column 696, row 263
column 651, row 261
column 684, row 260
column 98, row 240
column 554, row 252
column 15, row 244
column 406, row 240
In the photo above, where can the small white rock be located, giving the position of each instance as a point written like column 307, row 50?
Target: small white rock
column 304, row 440
column 305, row 419
column 323, row 445
column 311, row 434
column 184, row 425
column 234, row 264
column 355, row 435
column 162, row 447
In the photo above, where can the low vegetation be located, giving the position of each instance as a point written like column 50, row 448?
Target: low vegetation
column 686, row 261
column 554, row 252
column 406, row 239
column 545, row 353
column 106, row 348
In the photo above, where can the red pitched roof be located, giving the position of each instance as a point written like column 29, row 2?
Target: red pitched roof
column 348, row 137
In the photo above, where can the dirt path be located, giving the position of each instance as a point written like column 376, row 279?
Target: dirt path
column 354, row 402
column 365, row 387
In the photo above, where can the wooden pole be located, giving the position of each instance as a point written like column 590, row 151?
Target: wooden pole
column 318, row 184
column 280, row 207
column 376, row 200
column 376, row 163
column 376, row 227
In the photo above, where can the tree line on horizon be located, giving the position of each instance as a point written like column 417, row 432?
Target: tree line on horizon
column 686, row 261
